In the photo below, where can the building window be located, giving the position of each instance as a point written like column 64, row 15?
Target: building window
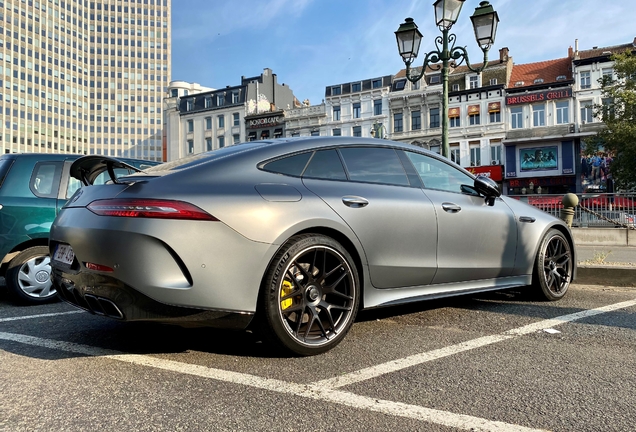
column 377, row 107
column 190, row 146
column 356, row 110
column 208, row 102
column 236, row 138
column 587, row 114
column 454, row 122
column 493, row 81
column 315, row 133
column 357, row 131
column 454, row 153
column 473, row 119
column 356, row 87
column 190, row 126
column 190, row 105
column 434, row 117
column 397, row 122
column 415, row 85
column 475, row 155
column 562, row 115
column 516, row 118
column 495, row 153
column 221, row 141
column 235, row 97
column 336, row 113
column 208, row 123
column 416, row 120
column 585, row 80
column 236, row 119
column 608, row 75
column 220, row 100
column 376, row 83
column 435, row 79
column 455, row 87
column 608, row 108
column 221, row 121
column 208, row 144
column 174, row 92
column 336, row 90
column 399, row 85
column 495, row 117
column 336, row 132
column 473, row 82
column 538, row 115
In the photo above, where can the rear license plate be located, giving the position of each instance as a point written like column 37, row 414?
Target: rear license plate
column 64, row 254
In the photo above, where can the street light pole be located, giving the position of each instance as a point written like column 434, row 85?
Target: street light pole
column 409, row 38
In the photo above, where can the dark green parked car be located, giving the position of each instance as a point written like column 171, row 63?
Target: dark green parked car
column 33, row 188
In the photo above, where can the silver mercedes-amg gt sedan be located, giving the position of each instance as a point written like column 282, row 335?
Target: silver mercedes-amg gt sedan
column 294, row 236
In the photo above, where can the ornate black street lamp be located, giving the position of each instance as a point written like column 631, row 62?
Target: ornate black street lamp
column 409, row 38
column 378, row 130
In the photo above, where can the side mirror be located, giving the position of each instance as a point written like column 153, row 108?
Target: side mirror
column 488, row 188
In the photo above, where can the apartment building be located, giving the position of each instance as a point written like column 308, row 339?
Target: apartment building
column 84, row 77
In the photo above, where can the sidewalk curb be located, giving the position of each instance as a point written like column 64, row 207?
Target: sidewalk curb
column 606, row 275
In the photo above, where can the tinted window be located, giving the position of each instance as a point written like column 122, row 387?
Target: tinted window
column 325, row 164
column 45, row 180
column 439, row 175
column 293, row 165
column 374, row 165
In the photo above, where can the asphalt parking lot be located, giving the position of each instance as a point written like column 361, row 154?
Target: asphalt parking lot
column 494, row 361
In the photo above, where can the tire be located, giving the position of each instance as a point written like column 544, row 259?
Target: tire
column 29, row 276
column 553, row 266
column 310, row 295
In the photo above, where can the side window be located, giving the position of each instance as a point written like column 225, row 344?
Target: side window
column 292, row 165
column 45, row 179
column 439, row 175
column 325, row 164
column 374, row 165
column 72, row 187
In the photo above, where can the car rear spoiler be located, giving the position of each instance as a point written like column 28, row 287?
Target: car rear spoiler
column 87, row 168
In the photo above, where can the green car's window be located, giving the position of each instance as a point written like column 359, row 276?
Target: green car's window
column 439, row 175
column 45, row 179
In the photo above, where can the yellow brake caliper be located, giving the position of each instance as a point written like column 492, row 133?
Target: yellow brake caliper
column 285, row 290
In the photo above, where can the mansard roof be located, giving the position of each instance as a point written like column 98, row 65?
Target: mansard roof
column 531, row 74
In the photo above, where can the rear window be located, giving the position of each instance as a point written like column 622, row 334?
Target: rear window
column 5, row 165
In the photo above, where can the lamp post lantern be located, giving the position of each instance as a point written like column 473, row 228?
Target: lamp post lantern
column 409, row 38
column 378, row 130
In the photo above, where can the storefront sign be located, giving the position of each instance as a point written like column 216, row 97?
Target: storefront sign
column 542, row 181
column 538, row 159
column 492, row 171
column 264, row 122
column 539, row 97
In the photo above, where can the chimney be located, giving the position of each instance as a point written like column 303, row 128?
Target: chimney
column 576, row 47
column 570, row 52
column 503, row 54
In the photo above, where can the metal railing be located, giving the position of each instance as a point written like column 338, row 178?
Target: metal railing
column 595, row 210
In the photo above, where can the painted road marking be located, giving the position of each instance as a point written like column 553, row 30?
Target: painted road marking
column 416, row 359
column 315, row 392
column 40, row 316
column 326, row 390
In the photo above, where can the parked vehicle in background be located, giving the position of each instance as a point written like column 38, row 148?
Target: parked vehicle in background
column 33, row 187
column 298, row 234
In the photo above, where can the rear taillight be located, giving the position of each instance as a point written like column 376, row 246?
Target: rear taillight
column 149, row 208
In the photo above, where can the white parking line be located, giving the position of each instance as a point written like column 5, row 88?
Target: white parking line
column 39, row 316
column 414, row 360
column 315, row 392
column 326, row 390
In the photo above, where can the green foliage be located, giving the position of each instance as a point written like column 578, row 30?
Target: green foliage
column 618, row 112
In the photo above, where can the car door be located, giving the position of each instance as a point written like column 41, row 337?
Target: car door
column 475, row 240
column 394, row 221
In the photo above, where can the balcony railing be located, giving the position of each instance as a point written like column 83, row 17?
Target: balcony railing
column 598, row 210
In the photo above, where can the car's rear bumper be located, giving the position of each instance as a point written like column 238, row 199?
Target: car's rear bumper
column 103, row 295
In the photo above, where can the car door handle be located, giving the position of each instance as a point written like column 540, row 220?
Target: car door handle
column 528, row 219
column 451, row 208
column 354, row 201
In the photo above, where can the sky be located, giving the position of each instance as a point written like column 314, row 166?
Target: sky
column 312, row 44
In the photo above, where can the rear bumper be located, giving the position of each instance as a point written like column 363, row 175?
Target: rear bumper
column 107, row 296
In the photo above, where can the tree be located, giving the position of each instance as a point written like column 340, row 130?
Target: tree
column 618, row 113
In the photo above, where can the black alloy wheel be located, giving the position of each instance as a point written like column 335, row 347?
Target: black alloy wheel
column 553, row 266
column 311, row 295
